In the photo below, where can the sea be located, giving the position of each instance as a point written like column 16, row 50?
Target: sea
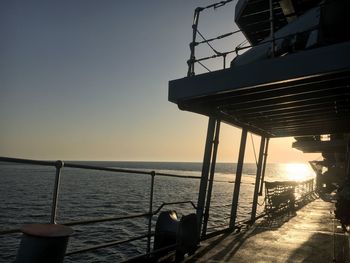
column 26, row 197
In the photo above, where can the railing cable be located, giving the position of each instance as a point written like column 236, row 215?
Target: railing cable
column 200, row 63
column 256, row 161
column 207, row 42
column 217, row 38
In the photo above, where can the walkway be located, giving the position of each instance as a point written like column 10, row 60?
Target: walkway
column 305, row 236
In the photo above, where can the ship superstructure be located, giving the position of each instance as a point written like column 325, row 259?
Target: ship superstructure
column 293, row 80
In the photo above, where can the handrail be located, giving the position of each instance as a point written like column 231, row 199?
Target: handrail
column 104, row 245
column 60, row 164
column 27, row 161
column 105, row 219
column 193, row 60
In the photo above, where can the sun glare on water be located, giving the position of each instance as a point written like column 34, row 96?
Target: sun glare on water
column 298, row 171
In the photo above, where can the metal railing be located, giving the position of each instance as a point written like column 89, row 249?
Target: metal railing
column 273, row 41
column 192, row 60
column 281, row 195
column 59, row 165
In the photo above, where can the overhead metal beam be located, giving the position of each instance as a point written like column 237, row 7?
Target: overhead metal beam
column 270, row 107
column 267, row 94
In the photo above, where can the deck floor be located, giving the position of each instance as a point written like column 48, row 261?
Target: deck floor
column 304, row 236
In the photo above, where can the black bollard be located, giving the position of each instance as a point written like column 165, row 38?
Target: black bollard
column 43, row 243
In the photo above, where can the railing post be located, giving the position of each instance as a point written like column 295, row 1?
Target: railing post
column 211, row 178
column 257, row 178
column 264, row 167
column 58, row 165
column 191, row 62
column 238, row 178
column 205, row 173
column 150, row 211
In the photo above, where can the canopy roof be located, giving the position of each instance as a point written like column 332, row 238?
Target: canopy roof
column 306, row 93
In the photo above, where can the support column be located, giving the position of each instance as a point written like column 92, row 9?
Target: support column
column 264, row 166
column 257, row 178
column 238, row 178
column 211, row 178
column 205, row 172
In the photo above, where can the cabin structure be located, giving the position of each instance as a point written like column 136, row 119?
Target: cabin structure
column 292, row 80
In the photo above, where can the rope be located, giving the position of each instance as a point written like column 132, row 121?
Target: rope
column 219, row 37
column 256, row 161
column 200, row 63
column 206, row 41
column 263, row 203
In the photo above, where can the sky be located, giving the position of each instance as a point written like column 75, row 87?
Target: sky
column 88, row 80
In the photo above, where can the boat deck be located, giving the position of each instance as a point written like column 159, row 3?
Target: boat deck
column 304, row 236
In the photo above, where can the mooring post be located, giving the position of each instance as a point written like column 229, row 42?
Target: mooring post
column 205, row 172
column 211, row 178
column 257, row 178
column 238, row 178
column 43, row 243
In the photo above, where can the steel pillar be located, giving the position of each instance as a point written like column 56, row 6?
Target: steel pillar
column 238, row 178
column 264, row 166
column 257, row 178
column 211, row 178
column 205, row 172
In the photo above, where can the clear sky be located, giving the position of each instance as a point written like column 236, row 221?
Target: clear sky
column 88, row 80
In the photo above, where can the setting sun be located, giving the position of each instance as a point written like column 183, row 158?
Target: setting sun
column 298, row 171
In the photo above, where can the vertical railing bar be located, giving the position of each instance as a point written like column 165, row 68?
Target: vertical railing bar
column 153, row 173
column 191, row 61
column 58, row 165
column 211, row 178
column 224, row 56
column 238, row 178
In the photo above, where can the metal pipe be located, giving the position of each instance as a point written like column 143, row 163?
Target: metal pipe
column 191, row 62
column 257, row 178
column 238, row 178
column 105, row 219
column 59, row 165
column 211, row 178
column 104, row 245
column 264, row 167
column 205, row 172
column 150, row 213
column 27, row 161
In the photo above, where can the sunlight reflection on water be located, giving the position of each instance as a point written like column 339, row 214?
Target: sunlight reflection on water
column 298, row 171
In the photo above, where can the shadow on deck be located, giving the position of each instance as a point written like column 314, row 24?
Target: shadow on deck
column 308, row 235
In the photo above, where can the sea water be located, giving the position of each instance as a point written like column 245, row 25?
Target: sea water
column 26, row 197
